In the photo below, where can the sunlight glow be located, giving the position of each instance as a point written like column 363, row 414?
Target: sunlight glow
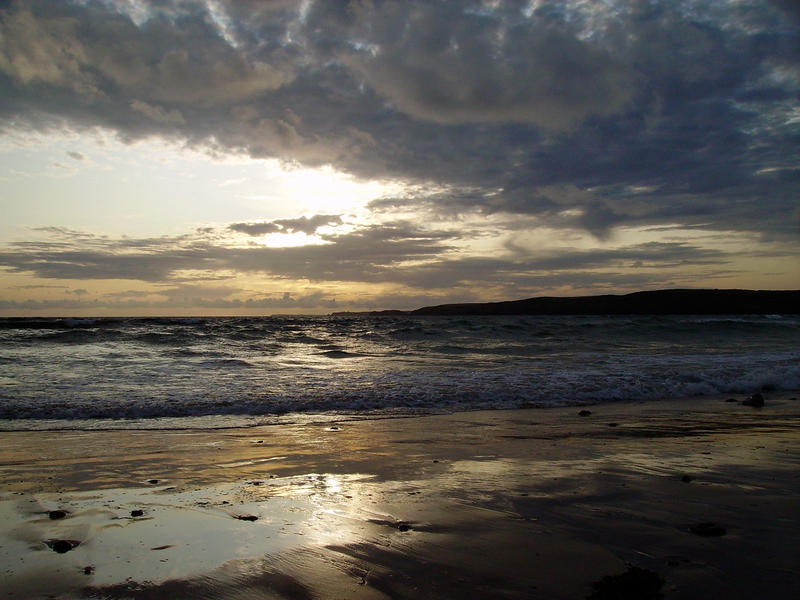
column 290, row 240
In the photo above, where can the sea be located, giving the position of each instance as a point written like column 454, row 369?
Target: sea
column 215, row 372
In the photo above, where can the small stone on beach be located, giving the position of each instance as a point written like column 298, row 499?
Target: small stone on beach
column 137, row 513
column 153, row 481
column 634, row 584
column 57, row 514
column 708, row 529
column 756, row 400
column 584, row 413
column 613, row 424
column 686, row 478
column 246, row 517
column 88, row 570
column 62, row 546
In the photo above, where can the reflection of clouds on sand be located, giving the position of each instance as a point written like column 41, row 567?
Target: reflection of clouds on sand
column 179, row 535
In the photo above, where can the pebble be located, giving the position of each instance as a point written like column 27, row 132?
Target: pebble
column 636, row 582
column 708, row 529
column 756, row 400
column 62, row 546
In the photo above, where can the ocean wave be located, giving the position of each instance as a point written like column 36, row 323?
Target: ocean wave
column 236, row 363
column 453, row 390
column 78, row 336
column 171, row 368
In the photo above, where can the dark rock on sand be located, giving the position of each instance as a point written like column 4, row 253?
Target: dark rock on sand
column 57, row 514
column 585, row 413
column 153, row 481
column 731, row 400
column 708, row 529
column 634, row 584
column 613, row 424
column 62, row 546
column 756, row 400
column 88, row 570
column 246, row 517
column 399, row 525
column 137, row 513
column 687, row 478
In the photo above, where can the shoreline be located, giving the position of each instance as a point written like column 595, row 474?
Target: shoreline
column 206, row 422
column 498, row 504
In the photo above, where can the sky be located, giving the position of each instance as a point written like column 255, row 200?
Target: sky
column 224, row 157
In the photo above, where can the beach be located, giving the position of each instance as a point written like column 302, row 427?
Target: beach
column 682, row 498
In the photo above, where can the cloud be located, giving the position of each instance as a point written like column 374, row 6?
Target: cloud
column 76, row 155
column 353, row 256
column 398, row 253
column 139, row 302
column 580, row 115
column 449, row 67
column 255, row 229
column 305, row 224
column 309, row 225
column 157, row 113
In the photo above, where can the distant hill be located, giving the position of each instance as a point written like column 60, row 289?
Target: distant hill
column 661, row 302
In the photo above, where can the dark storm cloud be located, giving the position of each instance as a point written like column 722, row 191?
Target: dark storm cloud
column 580, row 115
column 449, row 64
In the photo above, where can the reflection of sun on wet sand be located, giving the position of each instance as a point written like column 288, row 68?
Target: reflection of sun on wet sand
column 687, row 498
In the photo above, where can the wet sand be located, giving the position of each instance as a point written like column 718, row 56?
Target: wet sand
column 691, row 498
